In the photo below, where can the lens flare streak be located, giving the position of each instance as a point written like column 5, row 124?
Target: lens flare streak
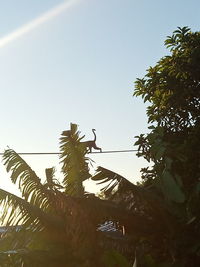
column 45, row 17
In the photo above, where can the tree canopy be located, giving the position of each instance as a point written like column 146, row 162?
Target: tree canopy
column 172, row 90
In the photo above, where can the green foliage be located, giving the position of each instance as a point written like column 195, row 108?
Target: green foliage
column 172, row 89
column 49, row 217
column 53, row 223
column 171, row 188
column 114, row 259
column 74, row 160
column 172, row 86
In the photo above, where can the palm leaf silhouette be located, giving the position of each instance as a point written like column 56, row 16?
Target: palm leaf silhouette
column 74, row 161
column 28, row 182
column 17, row 211
column 60, row 217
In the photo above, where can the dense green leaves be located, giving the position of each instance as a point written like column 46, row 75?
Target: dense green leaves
column 172, row 86
column 172, row 90
column 171, row 188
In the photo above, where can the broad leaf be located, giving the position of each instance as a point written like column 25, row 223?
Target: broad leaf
column 171, row 189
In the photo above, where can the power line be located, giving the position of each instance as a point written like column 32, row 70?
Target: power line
column 58, row 153
column 115, row 151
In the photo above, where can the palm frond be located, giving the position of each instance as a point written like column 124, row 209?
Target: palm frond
column 118, row 184
column 75, row 163
column 136, row 199
column 113, row 181
column 17, row 211
column 28, row 182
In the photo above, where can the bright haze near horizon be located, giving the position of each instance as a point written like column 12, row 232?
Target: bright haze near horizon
column 77, row 63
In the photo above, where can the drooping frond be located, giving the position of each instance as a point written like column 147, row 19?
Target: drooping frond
column 119, row 184
column 17, row 211
column 112, row 180
column 136, row 199
column 74, row 160
column 28, row 182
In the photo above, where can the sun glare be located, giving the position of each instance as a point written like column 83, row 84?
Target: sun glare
column 28, row 27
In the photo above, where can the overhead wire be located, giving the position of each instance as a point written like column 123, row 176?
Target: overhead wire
column 58, row 153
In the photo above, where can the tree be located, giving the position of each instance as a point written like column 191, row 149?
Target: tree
column 168, row 198
column 54, row 223
column 172, row 89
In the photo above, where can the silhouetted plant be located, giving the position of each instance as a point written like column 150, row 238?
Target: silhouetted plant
column 56, row 223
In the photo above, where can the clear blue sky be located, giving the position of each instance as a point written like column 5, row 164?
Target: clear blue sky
column 80, row 66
